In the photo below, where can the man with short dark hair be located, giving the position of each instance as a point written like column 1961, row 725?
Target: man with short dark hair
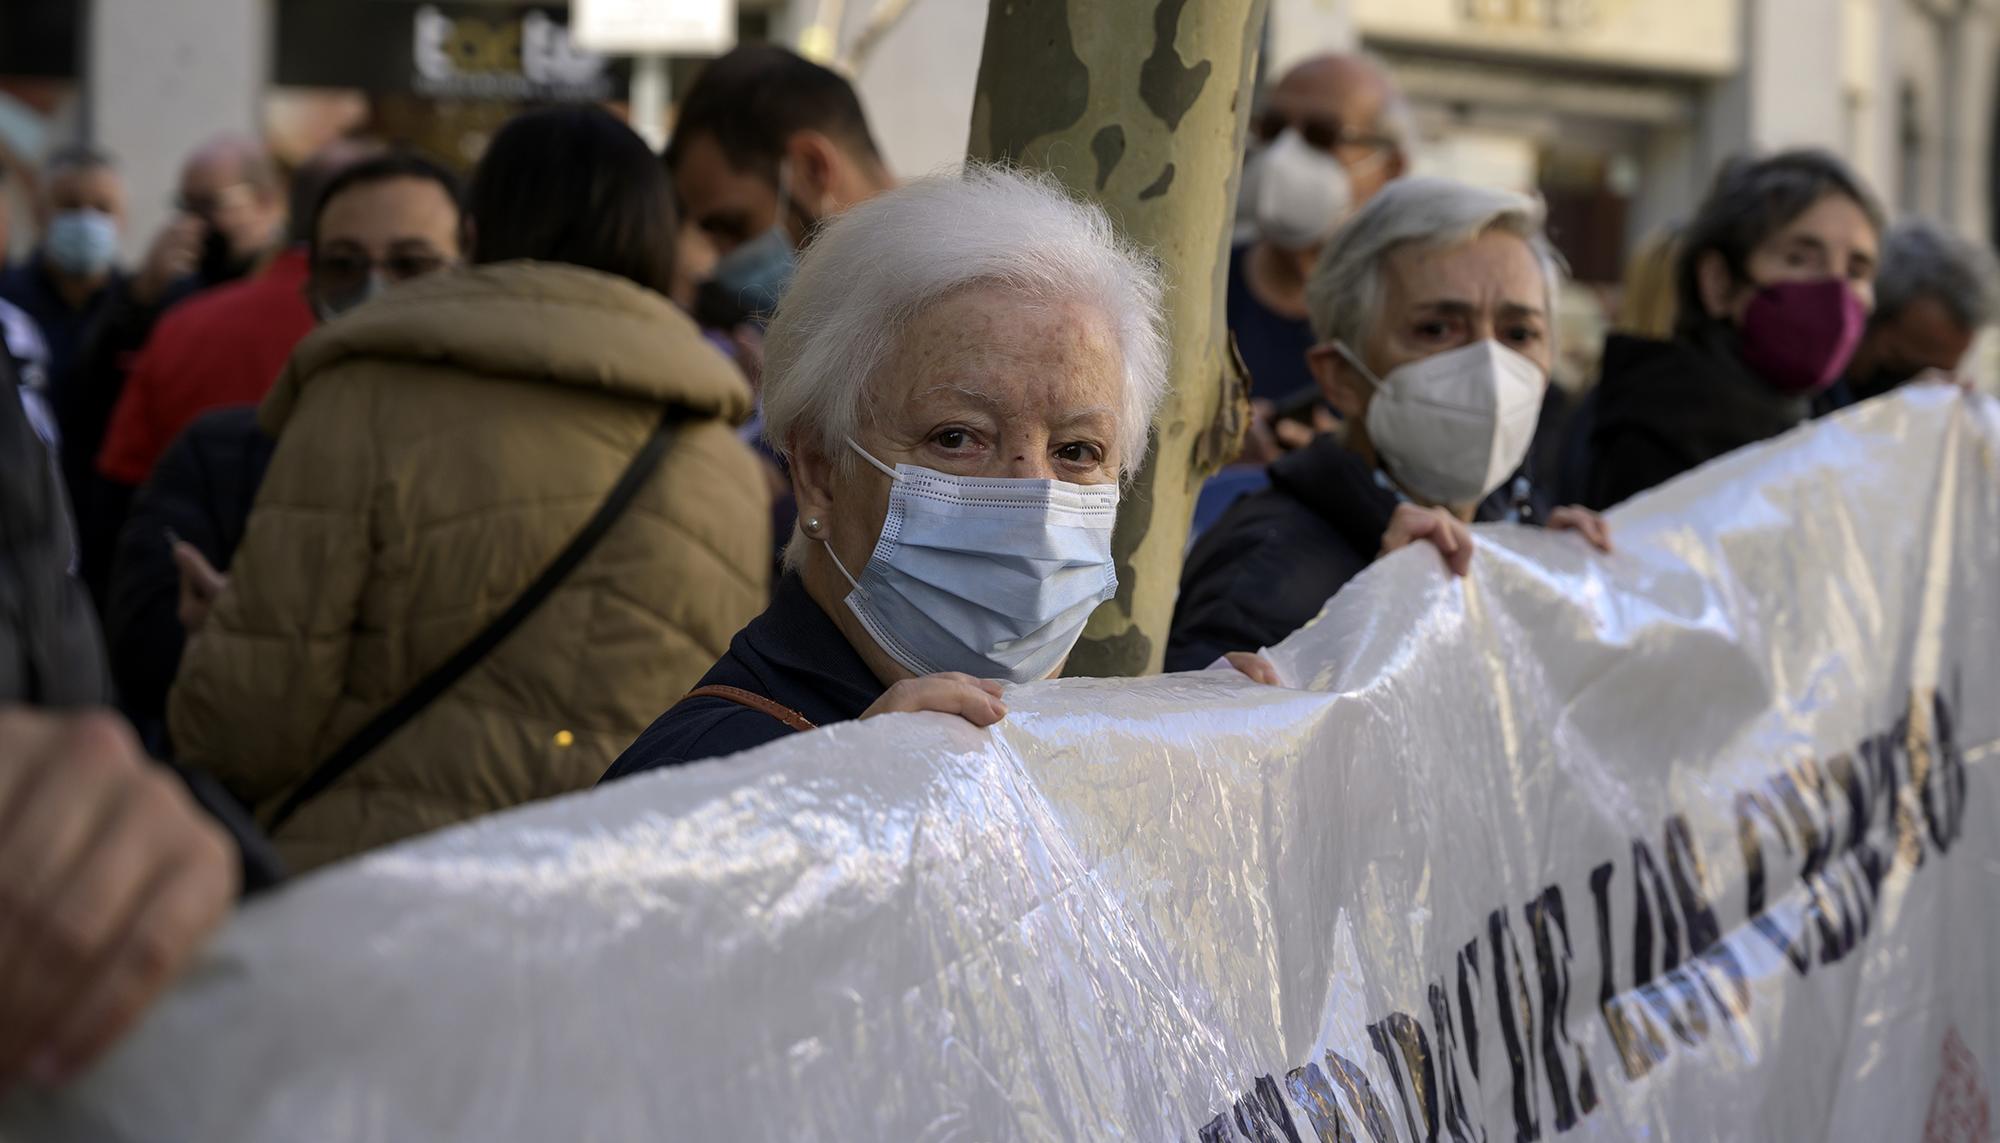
column 65, row 283
column 378, row 222
column 768, row 144
column 1934, row 294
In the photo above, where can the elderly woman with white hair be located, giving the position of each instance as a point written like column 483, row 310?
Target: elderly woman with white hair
column 1433, row 307
column 960, row 375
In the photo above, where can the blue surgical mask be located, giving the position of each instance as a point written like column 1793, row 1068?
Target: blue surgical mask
column 82, row 243
column 756, row 274
column 994, row 577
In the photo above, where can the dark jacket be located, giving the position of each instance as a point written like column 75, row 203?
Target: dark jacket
column 49, row 650
column 1274, row 559
column 1665, row 407
column 792, row 654
column 202, row 490
column 83, row 410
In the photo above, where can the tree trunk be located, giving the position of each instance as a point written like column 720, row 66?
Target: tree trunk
column 1140, row 105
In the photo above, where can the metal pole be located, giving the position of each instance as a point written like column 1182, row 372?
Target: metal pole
column 649, row 99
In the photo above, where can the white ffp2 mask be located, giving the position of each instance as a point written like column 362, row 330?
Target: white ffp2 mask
column 1452, row 427
column 994, row 577
column 1298, row 194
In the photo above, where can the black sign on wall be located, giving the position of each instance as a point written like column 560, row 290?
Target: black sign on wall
column 40, row 38
column 511, row 52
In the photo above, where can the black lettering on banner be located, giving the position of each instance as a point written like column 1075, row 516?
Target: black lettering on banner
column 1944, row 799
column 1399, row 1035
column 1865, row 860
column 1752, row 805
column 1823, row 876
column 1260, row 1116
column 1517, row 1023
column 1361, row 1096
column 1639, row 1043
column 1546, row 922
column 1468, row 1001
column 1311, row 1091
column 1705, row 946
column 1456, row 1119
column 1649, row 890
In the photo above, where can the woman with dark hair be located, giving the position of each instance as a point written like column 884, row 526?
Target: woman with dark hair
column 507, row 518
column 1773, row 284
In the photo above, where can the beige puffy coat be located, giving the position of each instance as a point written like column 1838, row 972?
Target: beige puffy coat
column 436, row 450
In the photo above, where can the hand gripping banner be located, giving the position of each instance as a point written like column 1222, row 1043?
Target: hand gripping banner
column 1691, row 842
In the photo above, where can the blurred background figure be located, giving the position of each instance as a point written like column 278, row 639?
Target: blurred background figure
column 437, row 450
column 230, row 212
column 73, row 270
column 1934, row 295
column 1774, row 282
column 1324, row 140
column 768, row 144
column 1646, row 297
column 226, row 346
column 378, row 222
column 1436, row 312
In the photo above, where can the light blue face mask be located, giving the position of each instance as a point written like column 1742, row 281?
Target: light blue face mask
column 757, row 273
column 993, row 577
column 82, row 243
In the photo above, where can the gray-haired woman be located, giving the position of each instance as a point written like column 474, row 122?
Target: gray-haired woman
column 1434, row 307
column 960, row 375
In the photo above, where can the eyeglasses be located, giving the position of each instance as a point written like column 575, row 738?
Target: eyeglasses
column 340, row 273
column 1322, row 132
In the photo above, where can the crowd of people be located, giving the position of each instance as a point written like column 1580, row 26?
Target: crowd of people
column 369, row 503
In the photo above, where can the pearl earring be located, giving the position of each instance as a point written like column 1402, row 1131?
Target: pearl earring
column 812, row 524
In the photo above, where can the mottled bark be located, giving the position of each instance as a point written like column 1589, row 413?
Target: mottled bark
column 1141, row 105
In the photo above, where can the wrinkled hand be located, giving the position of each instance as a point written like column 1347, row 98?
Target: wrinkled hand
column 1253, row 666
column 201, row 585
column 1446, row 532
column 1583, row 522
column 977, row 701
column 110, row 879
column 175, row 252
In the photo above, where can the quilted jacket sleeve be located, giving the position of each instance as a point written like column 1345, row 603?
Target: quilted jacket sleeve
column 260, row 680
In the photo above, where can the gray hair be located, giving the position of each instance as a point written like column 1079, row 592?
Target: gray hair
column 1922, row 259
column 882, row 263
column 1344, row 297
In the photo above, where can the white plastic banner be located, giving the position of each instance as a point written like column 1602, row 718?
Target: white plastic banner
column 1693, row 842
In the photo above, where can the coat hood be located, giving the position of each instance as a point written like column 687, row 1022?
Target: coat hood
column 529, row 321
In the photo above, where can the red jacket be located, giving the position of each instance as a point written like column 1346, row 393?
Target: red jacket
column 219, row 348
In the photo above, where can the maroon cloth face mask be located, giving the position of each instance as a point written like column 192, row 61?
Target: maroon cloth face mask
column 1799, row 336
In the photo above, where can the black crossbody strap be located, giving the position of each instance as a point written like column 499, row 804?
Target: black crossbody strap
column 392, row 718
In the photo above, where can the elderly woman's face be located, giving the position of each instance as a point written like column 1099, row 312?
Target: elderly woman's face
column 1437, row 300
column 985, row 383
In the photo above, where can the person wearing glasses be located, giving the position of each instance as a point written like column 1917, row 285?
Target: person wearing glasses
column 1326, row 138
column 378, row 222
column 441, row 452
column 224, row 347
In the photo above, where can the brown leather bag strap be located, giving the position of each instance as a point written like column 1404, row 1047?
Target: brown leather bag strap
column 755, row 702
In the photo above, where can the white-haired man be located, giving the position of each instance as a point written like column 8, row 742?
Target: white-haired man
column 1434, row 308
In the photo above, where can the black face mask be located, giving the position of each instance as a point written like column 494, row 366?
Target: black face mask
column 219, row 263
